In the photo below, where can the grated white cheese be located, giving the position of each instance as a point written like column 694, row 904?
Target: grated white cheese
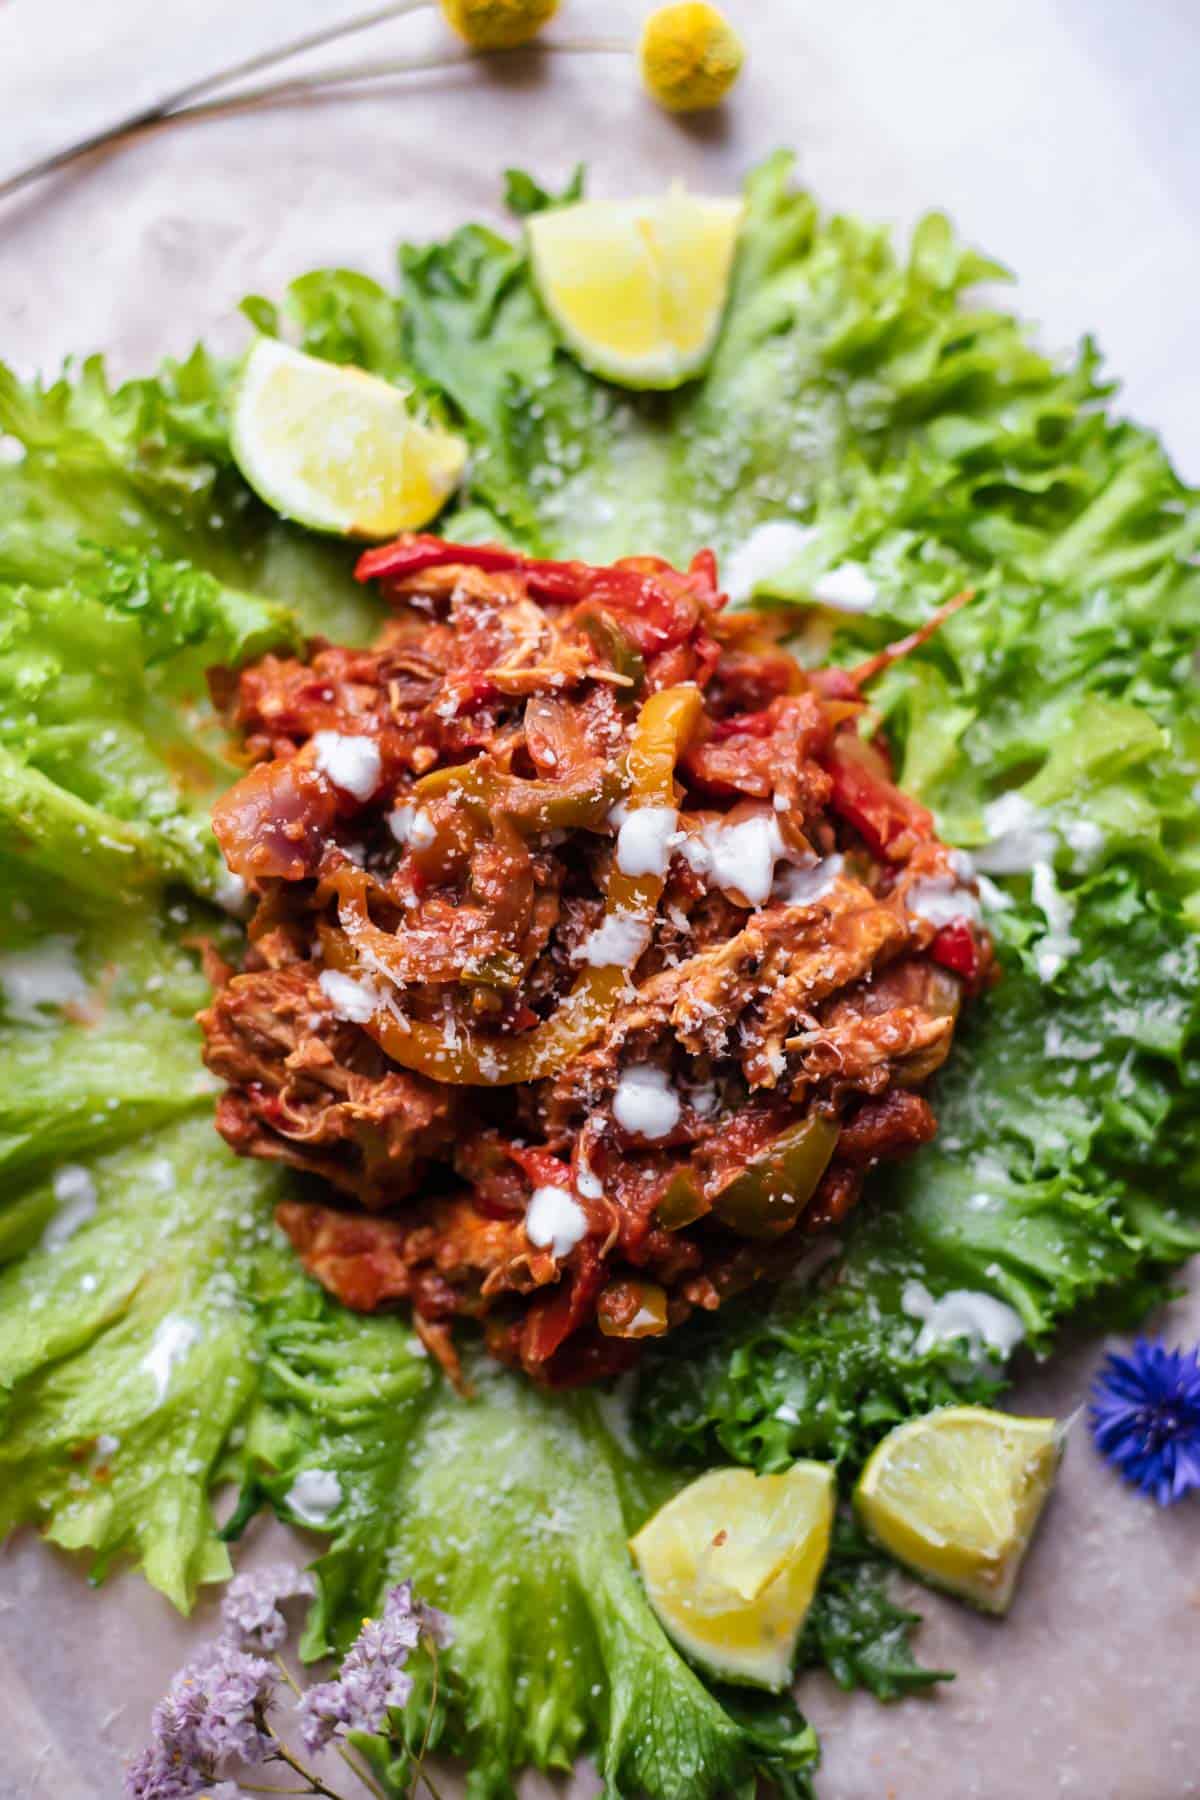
column 616, row 943
column 107, row 1445
column 554, row 1220
column 985, row 1323
column 940, row 900
column 767, row 551
column 351, row 763
column 848, row 588
column 645, row 840
column 645, row 1103
column 314, row 1495
column 173, row 1338
column 75, row 1192
column 354, row 1001
column 46, row 976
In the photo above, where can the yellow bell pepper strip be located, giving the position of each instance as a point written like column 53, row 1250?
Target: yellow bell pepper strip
column 454, row 1054
column 765, row 1199
column 632, row 1309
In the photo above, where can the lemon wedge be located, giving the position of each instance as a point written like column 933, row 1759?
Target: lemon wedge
column 637, row 288
column 957, row 1495
column 731, row 1564
column 337, row 449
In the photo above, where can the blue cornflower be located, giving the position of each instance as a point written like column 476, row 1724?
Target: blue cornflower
column 1145, row 1418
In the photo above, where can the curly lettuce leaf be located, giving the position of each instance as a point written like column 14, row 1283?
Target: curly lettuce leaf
column 523, row 195
column 852, row 390
column 1065, row 1175
column 144, row 469
column 511, row 1510
column 856, row 1630
column 126, row 1233
column 111, row 756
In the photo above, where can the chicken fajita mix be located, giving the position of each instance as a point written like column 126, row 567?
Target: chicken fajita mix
column 595, row 956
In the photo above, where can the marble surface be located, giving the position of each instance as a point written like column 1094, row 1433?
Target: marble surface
column 1061, row 135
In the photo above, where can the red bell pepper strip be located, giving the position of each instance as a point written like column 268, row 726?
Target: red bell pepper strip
column 553, row 1317
column 418, row 550
column 656, row 601
column 889, row 820
column 955, row 948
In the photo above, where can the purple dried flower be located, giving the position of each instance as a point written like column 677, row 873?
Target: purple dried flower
column 237, row 1690
column 358, row 1701
column 372, row 1678
column 211, row 1712
column 173, row 1765
column 250, row 1607
column 400, row 1603
column 1145, row 1418
column 157, row 1775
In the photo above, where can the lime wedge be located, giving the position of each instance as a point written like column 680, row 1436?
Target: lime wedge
column 957, row 1494
column 337, row 449
column 637, row 288
column 731, row 1563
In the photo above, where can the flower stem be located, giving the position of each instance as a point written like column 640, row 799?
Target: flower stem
column 315, row 1784
column 298, row 86
column 287, row 1674
column 424, row 1776
column 359, row 1771
column 176, row 106
column 359, row 1768
column 180, row 98
column 251, row 1787
column 422, row 1771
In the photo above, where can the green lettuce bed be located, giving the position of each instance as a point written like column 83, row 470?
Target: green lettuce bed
column 156, row 1339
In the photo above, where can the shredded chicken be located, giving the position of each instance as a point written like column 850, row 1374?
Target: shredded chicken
column 565, row 1071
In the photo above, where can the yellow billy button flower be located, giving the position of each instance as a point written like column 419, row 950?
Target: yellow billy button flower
column 690, row 56
column 498, row 24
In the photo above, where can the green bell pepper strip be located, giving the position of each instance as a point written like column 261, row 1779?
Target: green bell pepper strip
column 765, row 1199
column 581, row 803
